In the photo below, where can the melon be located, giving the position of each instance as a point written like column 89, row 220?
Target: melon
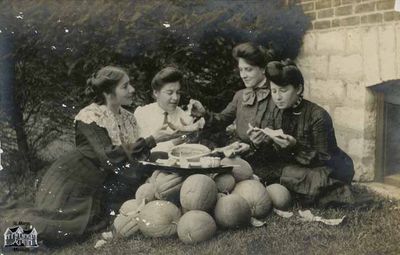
column 256, row 196
column 126, row 226
column 146, row 192
column 219, row 195
column 241, row 170
column 130, row 207
column 159, row 218
column 189, row 151
column 184, row 210
column 168, row 186
column 126, row 222
column 152, row 178
column 280, row 196
column 198, row 192
column 196, row 226
column 255, row 177
column 232, row 211
column 225, row 182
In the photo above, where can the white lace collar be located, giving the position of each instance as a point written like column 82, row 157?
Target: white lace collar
column 121, row 128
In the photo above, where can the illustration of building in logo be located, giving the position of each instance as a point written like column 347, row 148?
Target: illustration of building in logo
column 19, row 237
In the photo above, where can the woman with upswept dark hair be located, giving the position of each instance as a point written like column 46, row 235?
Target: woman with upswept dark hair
column 306, row 157
column 249, row 105
column 69, row 200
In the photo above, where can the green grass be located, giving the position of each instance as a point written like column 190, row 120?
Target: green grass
column 366, row 230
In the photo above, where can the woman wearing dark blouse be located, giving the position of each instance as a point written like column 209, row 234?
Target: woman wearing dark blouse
column 69, row 199
column 249, row 105
column 306, row 156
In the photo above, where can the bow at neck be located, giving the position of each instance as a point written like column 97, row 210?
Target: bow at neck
column 250, row 95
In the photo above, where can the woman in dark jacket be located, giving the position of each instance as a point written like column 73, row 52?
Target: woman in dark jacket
column 250, row 104
column 306, row 155
column 69, row 199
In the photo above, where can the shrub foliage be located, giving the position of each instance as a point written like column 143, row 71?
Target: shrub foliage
column 48, row 49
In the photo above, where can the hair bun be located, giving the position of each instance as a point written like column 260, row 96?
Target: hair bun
column 288, row 62
column 89, row 90
column 94, row 82
column 103, row 81
column 97, row 80
column 284, row 72
column 270, row 54
column 91, row 81
column 262, row 49
column 274, row 68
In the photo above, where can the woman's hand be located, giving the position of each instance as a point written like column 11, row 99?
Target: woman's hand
column 242, row 148
column 164, row 134
column 196, row 126
column 236, row 148
column 181, row 139
column 256, row 135
column 284, row 141
column 196, row 109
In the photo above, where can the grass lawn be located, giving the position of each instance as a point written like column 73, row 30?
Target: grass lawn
column 372, row 229
column 366, row 230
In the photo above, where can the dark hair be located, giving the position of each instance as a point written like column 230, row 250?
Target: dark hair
column 104, row 81
column 284, row 73
column 254, row 55
column 166, row 75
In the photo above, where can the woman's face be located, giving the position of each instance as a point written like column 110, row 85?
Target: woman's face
column 285, row 97
column 123, row 93
column 251, row 75
column 168, row 96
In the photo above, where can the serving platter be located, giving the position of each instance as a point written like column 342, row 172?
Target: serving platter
column 186, row 171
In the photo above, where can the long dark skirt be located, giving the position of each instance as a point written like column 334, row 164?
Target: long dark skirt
column 68, row 200
column 310, row 184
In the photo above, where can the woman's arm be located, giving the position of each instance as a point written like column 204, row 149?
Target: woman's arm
column 110, row 155
column 226, row 117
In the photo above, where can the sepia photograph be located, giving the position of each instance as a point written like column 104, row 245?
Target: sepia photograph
column 200, row 127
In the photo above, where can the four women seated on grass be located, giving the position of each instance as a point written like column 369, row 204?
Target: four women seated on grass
column 110, row 141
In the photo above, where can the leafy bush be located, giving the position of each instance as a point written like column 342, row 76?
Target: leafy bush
column 49, row 49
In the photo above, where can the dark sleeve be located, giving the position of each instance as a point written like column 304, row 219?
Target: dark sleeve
column 317, row 151
column 220, row 121
column 110, row 155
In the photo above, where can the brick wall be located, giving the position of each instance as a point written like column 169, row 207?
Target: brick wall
column 354, row 44
column 342, row 13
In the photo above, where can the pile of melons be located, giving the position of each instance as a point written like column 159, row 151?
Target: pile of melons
column 195, row 206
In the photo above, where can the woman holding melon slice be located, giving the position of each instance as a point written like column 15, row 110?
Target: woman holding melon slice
column 305, row 152
column 165, row 112
column 250, row 105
